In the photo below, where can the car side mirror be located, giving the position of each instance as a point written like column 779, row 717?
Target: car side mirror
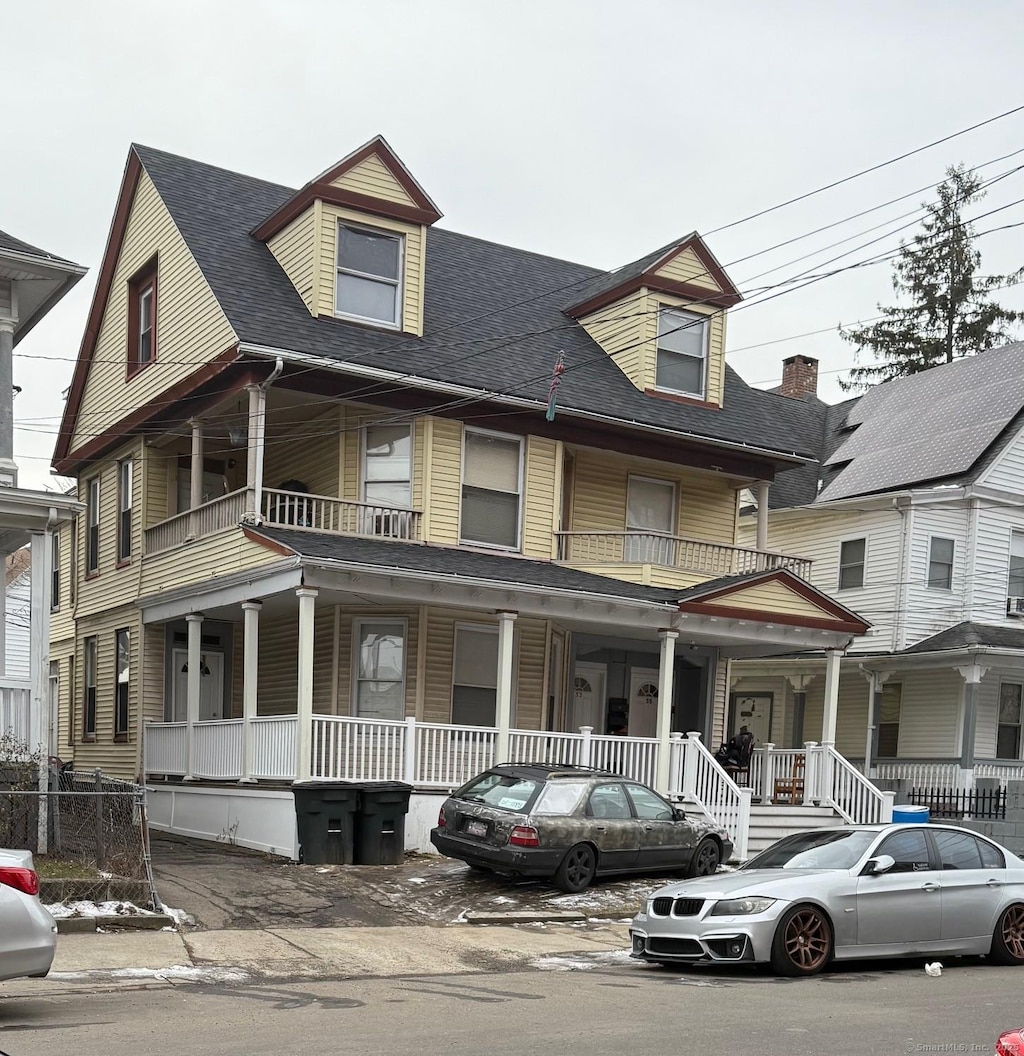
column 679, row 814
column 882, row 863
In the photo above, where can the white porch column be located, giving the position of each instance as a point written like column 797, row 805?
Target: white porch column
column 762, row 516
column 304, row 734
column 830, row 710
column 250, row 673
column 194, row 620
column 503, row 707
column 799, row 684
column 256, row 439
column 665, row 692
column 876, row 680
column 195, row 495
column 39, row 671
column 972, row 674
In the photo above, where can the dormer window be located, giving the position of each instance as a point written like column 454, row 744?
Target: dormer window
column 142, row 318
column 369, row 282
column 682, row 352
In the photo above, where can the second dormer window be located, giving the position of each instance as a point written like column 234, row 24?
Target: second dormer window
column 682, row 352
column 369, row 283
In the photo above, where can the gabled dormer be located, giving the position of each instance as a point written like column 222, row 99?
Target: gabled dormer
column 662, row 320
column 353, row 240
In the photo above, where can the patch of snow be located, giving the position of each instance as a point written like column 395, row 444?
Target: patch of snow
column 184, row 973
column 581, row 962
column 179, row 916
column 321, row 870
column 503, row 900
column 417, row 880
column 97, row 909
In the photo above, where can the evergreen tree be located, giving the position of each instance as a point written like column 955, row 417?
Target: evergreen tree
column 949, row 314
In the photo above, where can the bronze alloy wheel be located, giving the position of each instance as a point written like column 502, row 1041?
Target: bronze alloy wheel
column 1008, row 941
column 803, row 942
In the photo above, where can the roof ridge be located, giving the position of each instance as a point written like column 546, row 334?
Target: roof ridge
column 137, row 147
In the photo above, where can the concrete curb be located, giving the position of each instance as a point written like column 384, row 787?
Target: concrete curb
column 526, row 916
column 135, row 922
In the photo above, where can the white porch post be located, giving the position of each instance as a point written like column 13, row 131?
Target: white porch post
column 665, row 693
column 762, row 519
column 250, row 674
column 876, row 680
column 304, row 734
column 834, row 658
column 194, row 620
column 503, row 709
column 255, row 450
column 799, row 684
column 972, row 674
column 195, row 496
column 39, row 671
column 3, row 617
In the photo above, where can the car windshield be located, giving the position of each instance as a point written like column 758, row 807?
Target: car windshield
column 504, row 791
column 827, row 849
column 559, row 797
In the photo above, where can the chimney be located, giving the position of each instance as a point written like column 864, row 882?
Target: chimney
column 799, row 377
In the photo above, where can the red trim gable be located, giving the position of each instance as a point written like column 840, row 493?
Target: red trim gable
column 424, row 211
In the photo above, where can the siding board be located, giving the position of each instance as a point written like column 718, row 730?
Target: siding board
column 294, row 248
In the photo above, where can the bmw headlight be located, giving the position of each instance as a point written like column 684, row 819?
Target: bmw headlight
column 741, row 907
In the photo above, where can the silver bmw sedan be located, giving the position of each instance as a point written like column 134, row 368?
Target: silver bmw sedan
column 856, row 891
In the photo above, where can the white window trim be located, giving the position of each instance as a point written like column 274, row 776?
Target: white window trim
column 839, row 561
column 928, row 563
column 522, row 489
column 399, row 282
column 675, row 503
column 1020, row 725
column 357, row 636
column 362, row 459
column 663, row 307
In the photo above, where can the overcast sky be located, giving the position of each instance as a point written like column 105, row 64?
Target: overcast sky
column 590, row 130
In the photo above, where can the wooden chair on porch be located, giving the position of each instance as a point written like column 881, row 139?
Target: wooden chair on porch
column 791, row 789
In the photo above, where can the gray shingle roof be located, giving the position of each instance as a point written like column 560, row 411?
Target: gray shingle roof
column 16, row 245
column 964, row 634
column 609, row 280
column 493, row 315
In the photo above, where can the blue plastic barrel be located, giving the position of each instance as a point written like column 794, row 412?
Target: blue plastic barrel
column 903, row 813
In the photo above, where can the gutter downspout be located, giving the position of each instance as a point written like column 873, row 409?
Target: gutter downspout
column 257, row 438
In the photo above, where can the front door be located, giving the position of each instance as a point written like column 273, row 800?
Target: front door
column 753, row 710
column 643, row 702
column 211, row 686
column 588, row 697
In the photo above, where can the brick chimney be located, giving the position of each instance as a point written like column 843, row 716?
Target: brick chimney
column 799, row 377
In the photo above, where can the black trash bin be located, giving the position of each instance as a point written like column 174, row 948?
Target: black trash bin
column 380, row 823
column 324, row 813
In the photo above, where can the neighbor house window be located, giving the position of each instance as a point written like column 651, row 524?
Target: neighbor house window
column 851, row 563
column 387, row 466
column 682, row 352
column 491, row 489
column 940, row 563
column 888, row 721
column 89, row 685
column 123, row 644
column 142, row 318
column 475, row 676
column 369, row 270
column 1016, row 585
column 380, row 669
column 55, row 570
column 650, row 514
column 92, row 520
column 124, row 510
column 1008, row 736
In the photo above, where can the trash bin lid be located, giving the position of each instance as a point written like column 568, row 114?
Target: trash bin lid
column 385, row 786
column 909, row 808
column 324, row 783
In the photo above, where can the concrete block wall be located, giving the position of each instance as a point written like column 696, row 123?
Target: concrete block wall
column 1010, row 833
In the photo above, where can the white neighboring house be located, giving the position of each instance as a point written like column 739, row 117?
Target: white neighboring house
column 18, row 615
column 914, row 517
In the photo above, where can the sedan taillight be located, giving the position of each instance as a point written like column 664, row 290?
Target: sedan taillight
column 524, row 836
column 441, row 822
column 20, row 879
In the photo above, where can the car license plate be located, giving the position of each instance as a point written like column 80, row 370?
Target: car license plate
column 476, row 828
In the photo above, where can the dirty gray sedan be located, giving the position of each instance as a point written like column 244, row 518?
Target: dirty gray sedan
column 572, row 824
column 857, row 891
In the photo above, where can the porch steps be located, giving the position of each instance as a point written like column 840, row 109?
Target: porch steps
column 769, row 823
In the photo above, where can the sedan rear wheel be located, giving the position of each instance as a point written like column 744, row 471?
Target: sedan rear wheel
column 803, row 942
column 706, row 859
column 578, row 869
column 1008, row 938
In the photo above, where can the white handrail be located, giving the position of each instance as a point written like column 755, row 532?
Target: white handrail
column 844, row 788
column 705, row 783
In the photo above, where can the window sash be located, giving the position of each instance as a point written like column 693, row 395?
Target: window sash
column 353, row 281
column 146, row 323
column 92, row 535
column 89, row 687
column 852, row 554
column 124, row 508
column 387, row 477
column 55, row 571
column 122, row 651
column 682, row 350
column 940, row 563
column 380, row 691
column 492, row 486
column 1015, row 588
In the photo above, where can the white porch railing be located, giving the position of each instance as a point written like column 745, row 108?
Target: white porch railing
column 274, row 750
column 448, row 756
column 15, row 708
column 217, row 751
column 358, row 749
column 165, row 746
column 695, row 555
column 945, row 774
column 844, row 788
column 699, row 779
column 326, row 513
column 214, row 516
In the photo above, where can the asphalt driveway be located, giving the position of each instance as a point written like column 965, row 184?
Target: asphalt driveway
column 222, row 886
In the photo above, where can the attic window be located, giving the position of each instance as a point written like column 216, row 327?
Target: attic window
column 142, row 318
column 369, row 281
column 682, row 352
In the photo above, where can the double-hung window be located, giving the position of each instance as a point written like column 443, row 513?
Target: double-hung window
column 1008, row 735
column 380, row 669
column 89, row 686
column 475, row 676
column 1015, row 588
column 369, row 275
column 491, row 489
column 940, row 563
column 92, row 526
column 852, row 553
column 55, row 570
column 650, row 519
column 142, row 318
column 124, row 510
column 387, row 481
column 123, row 654
column 682, row 352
